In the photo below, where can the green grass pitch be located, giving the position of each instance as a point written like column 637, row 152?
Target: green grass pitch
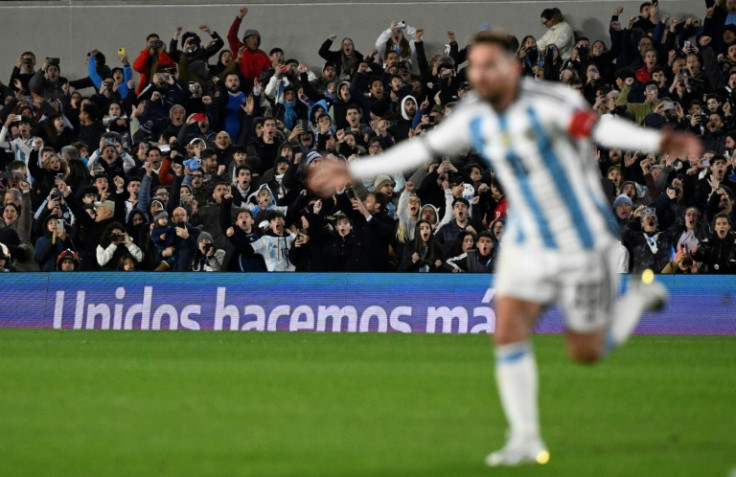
column 91, row 403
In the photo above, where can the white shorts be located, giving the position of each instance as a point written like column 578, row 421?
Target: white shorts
column 583, row 283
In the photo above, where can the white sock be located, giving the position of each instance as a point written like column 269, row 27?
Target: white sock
column 626, row 314
column 516, row 377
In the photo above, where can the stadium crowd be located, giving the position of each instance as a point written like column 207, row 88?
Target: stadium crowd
column 192, row 157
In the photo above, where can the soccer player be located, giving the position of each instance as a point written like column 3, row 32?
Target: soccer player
column 560, row 235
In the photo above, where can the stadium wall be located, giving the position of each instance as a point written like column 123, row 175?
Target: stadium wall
column 68, row 29
column 337, row 302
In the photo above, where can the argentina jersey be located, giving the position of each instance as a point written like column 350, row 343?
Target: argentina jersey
column 540, row 149
column 549, row 177
column 275, row 252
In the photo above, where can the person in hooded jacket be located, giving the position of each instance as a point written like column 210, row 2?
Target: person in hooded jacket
column 274, row 178
column 341, row 101
column 407, row 110
column 288, row 108
column 207, row 258
column 254, row 60
column 262, row 201
column 135, row 225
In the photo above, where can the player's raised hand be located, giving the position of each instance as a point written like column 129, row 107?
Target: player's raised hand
column 682, row 145
column 328, row 175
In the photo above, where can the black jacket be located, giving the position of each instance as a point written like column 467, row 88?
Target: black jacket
column 717, row 256
column 369, row 251
column 641, row 255
column 93, row 230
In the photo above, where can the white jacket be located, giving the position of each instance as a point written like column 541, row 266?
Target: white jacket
column 560, row 35
column 105, row 254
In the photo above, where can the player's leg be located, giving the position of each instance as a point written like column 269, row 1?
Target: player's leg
column 517, row 381
column 596, row 321
column 585, row 347
column 588, row 290
column 644, row 294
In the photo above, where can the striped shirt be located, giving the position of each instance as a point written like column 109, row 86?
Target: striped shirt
column 275, row 252
column 540, row 149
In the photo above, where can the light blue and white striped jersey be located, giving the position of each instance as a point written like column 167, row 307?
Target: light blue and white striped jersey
column 540, row 150
column 275, row 252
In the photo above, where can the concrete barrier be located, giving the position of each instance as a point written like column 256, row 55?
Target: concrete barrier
column 69, row 29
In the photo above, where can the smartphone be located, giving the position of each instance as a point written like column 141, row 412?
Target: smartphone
column 199, row 117
column 164, row 148
column 60, row 224
column 121, row 51
column 60, row 176
column 350, row 193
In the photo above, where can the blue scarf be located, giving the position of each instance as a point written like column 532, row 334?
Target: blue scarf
column 290, row 114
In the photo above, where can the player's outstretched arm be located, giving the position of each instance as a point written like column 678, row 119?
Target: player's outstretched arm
column 330, row 175
column 681, row 144
column 449, row 138
column 327, row 176
column 612, row 132
column 405, row 156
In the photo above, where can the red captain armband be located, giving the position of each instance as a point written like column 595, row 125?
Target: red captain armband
column 582, row 123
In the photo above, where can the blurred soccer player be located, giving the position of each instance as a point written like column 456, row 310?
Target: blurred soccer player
column 560, row 235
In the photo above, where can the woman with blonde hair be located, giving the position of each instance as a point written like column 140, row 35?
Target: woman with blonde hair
column 395, row 39
column 347, row 58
